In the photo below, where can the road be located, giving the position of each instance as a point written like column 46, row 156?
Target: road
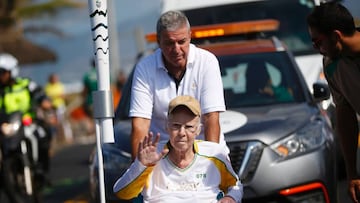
column 69, row 175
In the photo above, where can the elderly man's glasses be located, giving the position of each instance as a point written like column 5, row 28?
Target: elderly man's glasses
column 317, row 42
column 188, row 128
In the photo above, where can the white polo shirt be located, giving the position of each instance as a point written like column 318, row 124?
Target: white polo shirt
column 153, row 88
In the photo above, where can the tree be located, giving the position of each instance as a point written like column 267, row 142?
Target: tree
column 12, row 39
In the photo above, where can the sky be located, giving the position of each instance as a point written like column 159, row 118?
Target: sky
column 353, row 6
column 75, row 48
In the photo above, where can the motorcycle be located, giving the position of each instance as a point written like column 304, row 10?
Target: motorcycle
column 21, row 170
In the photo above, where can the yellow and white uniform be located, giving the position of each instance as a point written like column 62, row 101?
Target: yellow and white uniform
column 209, row 174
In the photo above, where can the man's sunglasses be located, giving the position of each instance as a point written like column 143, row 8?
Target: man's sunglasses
column 317, row 42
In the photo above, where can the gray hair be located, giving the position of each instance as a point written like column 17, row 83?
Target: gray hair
column 170, row 21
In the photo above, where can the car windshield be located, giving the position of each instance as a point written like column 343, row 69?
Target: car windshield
column 259, row 79
column 291, row 14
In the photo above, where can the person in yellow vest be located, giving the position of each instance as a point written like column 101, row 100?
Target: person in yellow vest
column 55, row 90
column 19, row 94
column 16, row 93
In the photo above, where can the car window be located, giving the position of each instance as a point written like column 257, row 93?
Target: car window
column 259, row 79
column 236, row 80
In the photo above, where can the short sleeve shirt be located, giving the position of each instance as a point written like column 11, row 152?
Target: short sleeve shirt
column 56, row 91
column 343, row 76
column 153, row 88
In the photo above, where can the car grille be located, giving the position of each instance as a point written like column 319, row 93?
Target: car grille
column 245, row 157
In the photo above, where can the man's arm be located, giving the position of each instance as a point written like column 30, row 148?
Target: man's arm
column 212, row 126
column 347, row 128
column 140, row 128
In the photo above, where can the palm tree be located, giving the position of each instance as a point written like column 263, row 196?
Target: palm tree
column 12, row 39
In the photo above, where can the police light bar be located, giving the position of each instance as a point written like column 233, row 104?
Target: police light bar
column 226, row 29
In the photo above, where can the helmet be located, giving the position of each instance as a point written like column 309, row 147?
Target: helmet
column 9, row 63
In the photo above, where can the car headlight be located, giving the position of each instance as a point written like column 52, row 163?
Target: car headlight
column 304, row 140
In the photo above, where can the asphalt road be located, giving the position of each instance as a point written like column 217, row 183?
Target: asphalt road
column 69, row 175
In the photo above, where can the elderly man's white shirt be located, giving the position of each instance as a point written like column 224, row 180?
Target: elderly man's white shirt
column 153, row 88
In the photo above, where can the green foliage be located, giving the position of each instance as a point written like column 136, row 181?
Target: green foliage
column 50, row 8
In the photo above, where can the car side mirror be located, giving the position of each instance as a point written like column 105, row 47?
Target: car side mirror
column 321, row 92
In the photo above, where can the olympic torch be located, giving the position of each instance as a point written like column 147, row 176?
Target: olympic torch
column 102, row 107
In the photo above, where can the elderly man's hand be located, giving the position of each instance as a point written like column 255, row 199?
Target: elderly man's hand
column 354, row 188
column 147, row 151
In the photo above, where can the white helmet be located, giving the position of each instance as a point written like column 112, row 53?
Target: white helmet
column 9, row 63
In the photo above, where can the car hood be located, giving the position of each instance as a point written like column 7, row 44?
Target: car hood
column 266, row 124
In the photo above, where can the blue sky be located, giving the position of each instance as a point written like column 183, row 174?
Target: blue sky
column 76, row 47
